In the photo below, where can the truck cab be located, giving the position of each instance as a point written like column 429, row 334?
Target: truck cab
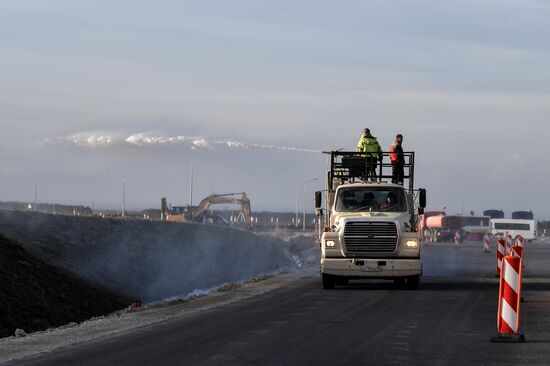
column 371, row 228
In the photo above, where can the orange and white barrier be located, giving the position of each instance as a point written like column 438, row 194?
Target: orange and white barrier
column 517, row 252
column 520, row 241
column 509, row 301
column 509, row 241
column 486, row 242
column 501, row 253
column 427, row 236
column 456, row 239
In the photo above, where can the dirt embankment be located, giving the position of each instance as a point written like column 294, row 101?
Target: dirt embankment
column 36, row 296
column 144, row 259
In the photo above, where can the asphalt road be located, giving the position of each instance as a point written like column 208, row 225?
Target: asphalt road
column 449, row 321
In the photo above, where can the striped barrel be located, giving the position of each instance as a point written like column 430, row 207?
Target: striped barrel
column 501, row 253
column 520, row 241
column 509, row 296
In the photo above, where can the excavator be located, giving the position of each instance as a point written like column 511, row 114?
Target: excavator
column 198, row 213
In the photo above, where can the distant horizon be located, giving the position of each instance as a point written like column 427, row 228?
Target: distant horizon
column 138, row 208
column 249, row 93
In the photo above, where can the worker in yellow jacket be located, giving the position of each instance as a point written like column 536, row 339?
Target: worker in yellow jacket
column 369, row 145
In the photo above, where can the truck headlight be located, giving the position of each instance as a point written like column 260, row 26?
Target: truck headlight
column 330, row 243
column 412, row 244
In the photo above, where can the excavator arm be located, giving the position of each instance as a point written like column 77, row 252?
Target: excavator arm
column 217, row 199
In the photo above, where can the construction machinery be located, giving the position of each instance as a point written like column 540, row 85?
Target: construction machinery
column 371, row 229
column 443, row 227
column 200, row 213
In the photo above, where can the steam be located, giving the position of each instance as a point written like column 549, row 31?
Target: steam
column 100, row 140
column 92, row 140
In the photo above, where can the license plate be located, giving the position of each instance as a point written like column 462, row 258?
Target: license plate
column 370, row 269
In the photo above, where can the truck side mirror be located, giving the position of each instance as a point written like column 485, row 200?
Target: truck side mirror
column 318, row 198
column 422, row 198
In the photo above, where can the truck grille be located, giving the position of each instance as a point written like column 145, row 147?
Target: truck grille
column 370, row 237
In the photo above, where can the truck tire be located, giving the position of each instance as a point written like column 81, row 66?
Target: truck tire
column 328, row 281
column 413, row 282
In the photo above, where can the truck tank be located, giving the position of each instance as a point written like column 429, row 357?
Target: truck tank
column 494, row 214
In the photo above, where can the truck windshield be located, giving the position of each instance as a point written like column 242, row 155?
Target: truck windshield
column 384, row 199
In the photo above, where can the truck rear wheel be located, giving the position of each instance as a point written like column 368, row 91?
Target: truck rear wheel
column 413, row 282
column 328, row 281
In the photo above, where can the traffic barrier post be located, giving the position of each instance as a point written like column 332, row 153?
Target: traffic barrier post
column 501, row 253
column 457, row 240
column 486, row 243
column 509, row 296
column 509, row 241
column 520, row 241
column 517, row 252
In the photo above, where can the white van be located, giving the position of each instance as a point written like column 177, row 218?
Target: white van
column 525, row 228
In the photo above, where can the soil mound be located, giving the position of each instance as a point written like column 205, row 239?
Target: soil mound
column 146, row 260
column 37, row 296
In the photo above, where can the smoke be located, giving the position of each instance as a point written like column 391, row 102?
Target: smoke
column 101, row 140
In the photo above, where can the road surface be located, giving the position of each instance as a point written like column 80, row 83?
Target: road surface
column 449, row 321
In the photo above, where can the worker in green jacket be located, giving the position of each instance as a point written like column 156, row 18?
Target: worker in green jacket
column 369, row 145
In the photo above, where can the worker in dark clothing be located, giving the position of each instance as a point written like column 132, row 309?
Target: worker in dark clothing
column 369, row 145
column 397, row 160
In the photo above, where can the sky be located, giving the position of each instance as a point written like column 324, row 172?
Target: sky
column 249, row 93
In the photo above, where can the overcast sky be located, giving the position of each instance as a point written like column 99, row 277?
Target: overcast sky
column 94, row 92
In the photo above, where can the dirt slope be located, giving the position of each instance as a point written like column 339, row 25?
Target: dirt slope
column 144, row 259
column 36, row 296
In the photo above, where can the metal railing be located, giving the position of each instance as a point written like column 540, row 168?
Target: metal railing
column 351, row 166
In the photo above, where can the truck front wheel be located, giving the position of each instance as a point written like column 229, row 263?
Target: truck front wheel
column 328, row 281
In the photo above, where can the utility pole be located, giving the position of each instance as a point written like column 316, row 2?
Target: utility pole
column 191, row 186
column 123, row 197
column 297, row 203
column 35, row 196
column 462, row 203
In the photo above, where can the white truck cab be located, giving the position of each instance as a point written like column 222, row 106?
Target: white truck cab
column 371, row 229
